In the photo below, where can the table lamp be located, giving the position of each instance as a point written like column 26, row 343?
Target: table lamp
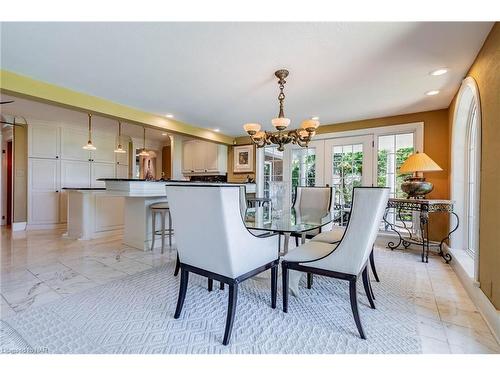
column 416, row 186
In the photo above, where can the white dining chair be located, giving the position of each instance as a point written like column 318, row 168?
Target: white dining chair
column 213, row 241
column 335, row 235
column 307, row 198
column 347, row 259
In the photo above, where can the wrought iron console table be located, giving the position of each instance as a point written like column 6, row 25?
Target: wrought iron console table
column 424, row 207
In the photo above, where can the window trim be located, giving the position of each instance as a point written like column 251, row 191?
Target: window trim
column 467, row 97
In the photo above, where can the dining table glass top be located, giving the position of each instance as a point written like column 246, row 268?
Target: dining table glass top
column 286, row 220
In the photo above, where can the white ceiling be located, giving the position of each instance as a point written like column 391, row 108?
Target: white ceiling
column 221, row 75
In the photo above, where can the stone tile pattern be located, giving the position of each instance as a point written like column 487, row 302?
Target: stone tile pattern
column 39, row 267
column 135, row 315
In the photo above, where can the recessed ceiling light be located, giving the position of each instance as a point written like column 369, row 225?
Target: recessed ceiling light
column 439, row 72
column 169, row 115
column 217, row 130
column 432, row 92
column 316, row 118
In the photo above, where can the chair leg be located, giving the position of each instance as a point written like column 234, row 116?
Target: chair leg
column 366, row 284
column 231, row 311
column 354, row 307
column 274, row 285
column 182, row 293
column 177, row 265
column 284, row 275
column 372, row 265
column 162, row 215
column 297, row 241
column 169, row 229
column 221, row 287
column 370, row 285
column 309, row 280
column 153, row 226
column 210, row 284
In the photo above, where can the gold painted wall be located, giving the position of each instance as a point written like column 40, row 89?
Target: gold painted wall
column 238, row 177
column 436, row 145
column 486, row 72
column 20, row 175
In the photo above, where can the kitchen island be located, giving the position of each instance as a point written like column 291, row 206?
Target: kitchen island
column 122, row 206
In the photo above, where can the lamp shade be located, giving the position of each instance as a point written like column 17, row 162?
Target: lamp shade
column 252, row 127
column 280, row 122
column 309, row 124
column 419, row 162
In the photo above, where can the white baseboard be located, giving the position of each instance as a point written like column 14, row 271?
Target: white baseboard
column 490, row 314
column 17, row 227
column 45, row 226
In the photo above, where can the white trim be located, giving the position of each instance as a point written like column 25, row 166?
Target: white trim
column 18, row 227
column 483, row 304
column 459, row 162
column 45, row 226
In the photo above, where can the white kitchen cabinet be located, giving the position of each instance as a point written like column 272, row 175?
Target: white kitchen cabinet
column 44, row 141
column 188, row 149
column 101, row 170
column 105, row 146
column 122, row 171
column 72, row 141
column 211, row 157
column 122, row 158
column 45, row 191
column 75, row 174
column 200, row 157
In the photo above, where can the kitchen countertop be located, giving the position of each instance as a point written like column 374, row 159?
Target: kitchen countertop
column 82, row 188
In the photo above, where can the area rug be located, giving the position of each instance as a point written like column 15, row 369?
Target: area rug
column 135, row 315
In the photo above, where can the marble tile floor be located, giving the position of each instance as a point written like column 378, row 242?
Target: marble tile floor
column 37, row 267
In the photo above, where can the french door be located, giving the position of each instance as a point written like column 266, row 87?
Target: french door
column 372, row 158
column 348, row 163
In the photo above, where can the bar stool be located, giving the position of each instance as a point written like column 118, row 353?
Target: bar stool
column 162, row 209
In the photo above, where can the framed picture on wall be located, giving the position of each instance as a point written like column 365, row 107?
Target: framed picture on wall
column 243, row 159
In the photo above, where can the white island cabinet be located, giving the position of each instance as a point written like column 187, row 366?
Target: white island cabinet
column 123, row 206
column 138, row 196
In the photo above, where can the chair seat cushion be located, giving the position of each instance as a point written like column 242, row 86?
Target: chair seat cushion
column 160, row 205
column 309, row 251
column 331, row 236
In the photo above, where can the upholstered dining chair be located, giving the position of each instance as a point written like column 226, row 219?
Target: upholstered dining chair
column 347, row 259
column 317, row 198
column 213, row 241
column 335, row 235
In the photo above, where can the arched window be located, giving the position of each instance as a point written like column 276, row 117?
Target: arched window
column 465, row 171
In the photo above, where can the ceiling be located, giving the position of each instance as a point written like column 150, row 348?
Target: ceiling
column 221, row 75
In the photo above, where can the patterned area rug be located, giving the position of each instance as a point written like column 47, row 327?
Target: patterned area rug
column 135, row 315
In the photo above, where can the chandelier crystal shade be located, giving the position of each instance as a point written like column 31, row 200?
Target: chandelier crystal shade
column 300, row 137
column 90, row 146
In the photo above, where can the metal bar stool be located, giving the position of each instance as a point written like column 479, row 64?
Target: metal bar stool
column 162, row 209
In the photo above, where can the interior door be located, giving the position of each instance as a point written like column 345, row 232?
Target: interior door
column 348, row 163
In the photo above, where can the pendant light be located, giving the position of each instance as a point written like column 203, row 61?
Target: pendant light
column 89, row 146
column 119, row 149
column 143, row 151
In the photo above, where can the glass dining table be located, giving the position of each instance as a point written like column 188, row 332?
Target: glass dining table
column 286, row 221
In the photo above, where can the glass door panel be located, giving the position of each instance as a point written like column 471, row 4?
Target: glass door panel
column 303, row 168
column 349, row 164
column 392, row 151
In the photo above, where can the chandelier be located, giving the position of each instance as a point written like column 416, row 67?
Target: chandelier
column 300, row 137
